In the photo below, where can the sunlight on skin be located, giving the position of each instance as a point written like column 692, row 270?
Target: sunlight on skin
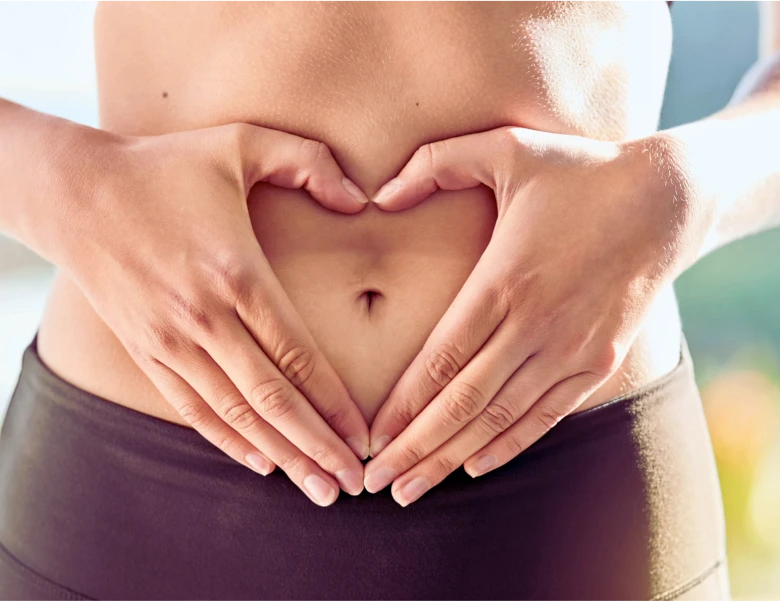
column 709, row 196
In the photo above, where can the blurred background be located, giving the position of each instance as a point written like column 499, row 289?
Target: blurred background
column 729, row 301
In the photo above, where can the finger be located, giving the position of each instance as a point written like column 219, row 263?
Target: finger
column 454, row 408
column 518, row 394
column 453, row 164
column 200, row 378
column 197, row 413
column 553, row 406
column 280, row 404
column 472, row 318
column 267, row 313
column 290, row 161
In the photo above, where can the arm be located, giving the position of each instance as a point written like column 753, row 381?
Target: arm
column 539, row 324
column 727, row 166
column 31, row 145
column 156, row 232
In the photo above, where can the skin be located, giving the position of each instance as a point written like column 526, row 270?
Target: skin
column 369, row 286
column 420, row 259
column 247, row 375
column 540, row 325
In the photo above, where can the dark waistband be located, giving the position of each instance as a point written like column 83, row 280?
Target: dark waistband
column 168, row 439
column 115, row 503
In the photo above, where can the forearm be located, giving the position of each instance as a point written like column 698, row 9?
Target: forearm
column 726, row 167
column 44, row 162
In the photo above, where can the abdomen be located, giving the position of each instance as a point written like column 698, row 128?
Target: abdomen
column 374, row 82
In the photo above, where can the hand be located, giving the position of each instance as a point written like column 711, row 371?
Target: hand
column 158, row 236
column 587, row 232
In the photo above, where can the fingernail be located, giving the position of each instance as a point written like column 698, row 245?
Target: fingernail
column 379, row 444
column 258, row 463
column 412, row 491
column 358, row 447
column 379, row 478
column 482, row 465
column 353, row 190
column 350, row 481
column 324, row 494
column 385, row 191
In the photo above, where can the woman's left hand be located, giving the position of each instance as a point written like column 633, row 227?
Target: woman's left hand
column 587, row 233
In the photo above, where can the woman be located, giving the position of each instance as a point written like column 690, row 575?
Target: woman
column 230, row 301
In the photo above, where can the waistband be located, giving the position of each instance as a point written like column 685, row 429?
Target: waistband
column 171, row 440
column 620, row 500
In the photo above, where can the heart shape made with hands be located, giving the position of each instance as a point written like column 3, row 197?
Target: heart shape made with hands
column 545, row 317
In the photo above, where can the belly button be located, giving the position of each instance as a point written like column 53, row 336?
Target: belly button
column 371, row 296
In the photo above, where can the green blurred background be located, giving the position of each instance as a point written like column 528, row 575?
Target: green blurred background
column 730, row 309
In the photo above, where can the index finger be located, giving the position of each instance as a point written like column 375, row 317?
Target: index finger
column 453, row 409
column 453, row 164
column 474, row 315
column 278, row 402
column 268, row 314
column 289, row 161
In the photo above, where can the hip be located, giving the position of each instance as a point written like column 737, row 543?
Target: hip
column 97, row 500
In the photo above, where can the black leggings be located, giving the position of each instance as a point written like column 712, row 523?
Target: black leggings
column 100, row 501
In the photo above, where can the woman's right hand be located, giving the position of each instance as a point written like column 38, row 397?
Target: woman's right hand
column 156, row 232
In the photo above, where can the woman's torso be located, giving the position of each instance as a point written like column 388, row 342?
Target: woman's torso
column 374, row 82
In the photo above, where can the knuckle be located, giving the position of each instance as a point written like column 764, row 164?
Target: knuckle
column 312, row 152
column 334, row 415
column 273, row 399
column 224, row 398
column 193, row 312
column 291, row 463
column 442, row 365
column 497, row 418
column 194, row 414
column 444, row 464
column 429, row 156
column 322, row 455
column 423, row 156
column 435, row 150
column 462, row 403
column 297, row 364
column 140, row 354
column 548, row 416
column 224, row 444
column 240, row 417
column 401, row 413
column 228, row 274
column 411, row 454
column 509, row 293
column 514, row 445
column 164, row 338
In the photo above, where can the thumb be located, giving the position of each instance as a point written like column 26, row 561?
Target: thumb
column 290, row 161
column 453, row 164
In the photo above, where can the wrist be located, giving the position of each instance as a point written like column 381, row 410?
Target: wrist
column 664, row 173
column 74, row 167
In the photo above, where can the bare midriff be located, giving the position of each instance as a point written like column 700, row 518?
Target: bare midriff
column 374, row 81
